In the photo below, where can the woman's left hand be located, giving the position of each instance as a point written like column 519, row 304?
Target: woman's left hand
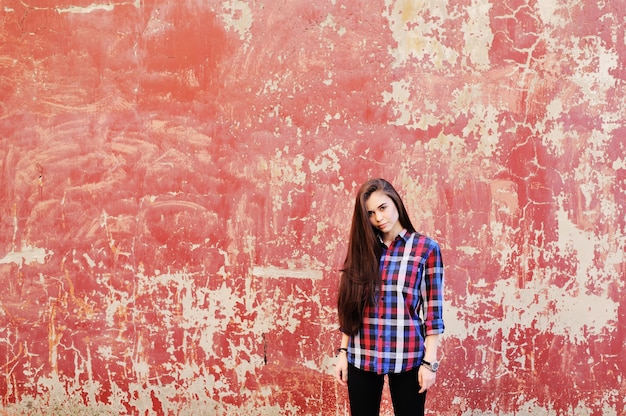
column 425, row 378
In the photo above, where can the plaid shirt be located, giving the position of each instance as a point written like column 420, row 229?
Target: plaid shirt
column 409, row 306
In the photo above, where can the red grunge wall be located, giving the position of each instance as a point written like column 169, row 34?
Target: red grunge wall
column 177, row 180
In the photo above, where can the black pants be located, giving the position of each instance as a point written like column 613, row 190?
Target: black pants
column 365, row 391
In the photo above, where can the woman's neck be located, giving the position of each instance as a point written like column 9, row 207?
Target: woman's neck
column 391, row 236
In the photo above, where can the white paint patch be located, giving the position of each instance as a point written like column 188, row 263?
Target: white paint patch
column 530, row 407
column 547, row 9
column 88, row 9
column 238, row 17
column 483, row 124
column 619, row 163
column 595, row 84
column 89, row 260
column 409, row 114
column 477, row 34
column 416, row 35
column 95, row 7
column 275, row 272
column 470, row 250
column 28, row 255
column 327, row 161
column 288, row 168
column 106, row 352
column 573, row 311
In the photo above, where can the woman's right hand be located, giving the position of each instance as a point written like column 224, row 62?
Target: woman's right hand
column 341, row 368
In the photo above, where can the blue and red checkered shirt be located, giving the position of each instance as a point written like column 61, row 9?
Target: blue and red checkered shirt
column 408, row 307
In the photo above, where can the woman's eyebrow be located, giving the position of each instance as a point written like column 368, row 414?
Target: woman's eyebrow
column 378, row 207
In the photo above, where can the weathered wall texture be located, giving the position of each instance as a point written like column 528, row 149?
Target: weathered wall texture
column 177, row 179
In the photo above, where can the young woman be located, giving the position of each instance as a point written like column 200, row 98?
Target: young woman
column 390, row 306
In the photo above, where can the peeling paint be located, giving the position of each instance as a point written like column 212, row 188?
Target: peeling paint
column 26, row 256
column 275, row 272
column 178, row 180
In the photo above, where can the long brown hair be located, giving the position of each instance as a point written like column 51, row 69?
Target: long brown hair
column 360, row 275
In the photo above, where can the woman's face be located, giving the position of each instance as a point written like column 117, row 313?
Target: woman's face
column 383, row 214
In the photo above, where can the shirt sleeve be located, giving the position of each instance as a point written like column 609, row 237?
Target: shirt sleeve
column 432, row 292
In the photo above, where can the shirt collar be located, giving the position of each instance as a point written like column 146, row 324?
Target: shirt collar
column 404, row 234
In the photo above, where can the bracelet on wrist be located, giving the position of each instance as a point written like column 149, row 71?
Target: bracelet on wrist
column 342, row 349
